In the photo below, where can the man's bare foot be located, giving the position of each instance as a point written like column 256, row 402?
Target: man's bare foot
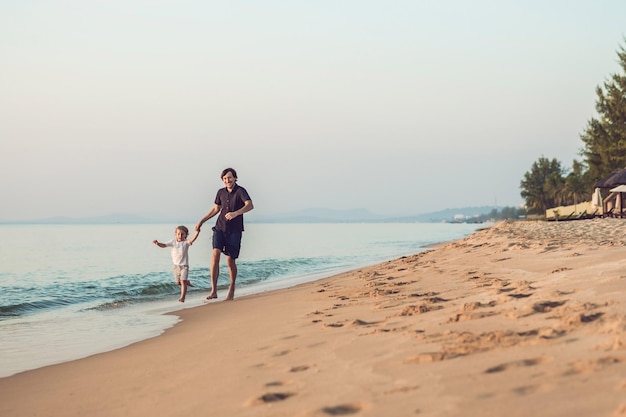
column 181, row 299
column 211, row 296
column 231, row 293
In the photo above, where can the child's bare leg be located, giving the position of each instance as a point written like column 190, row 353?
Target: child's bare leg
column 183, row 291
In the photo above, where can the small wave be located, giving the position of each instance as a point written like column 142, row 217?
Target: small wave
column 121, row 290
column 107, row 293
column 26, row 307
column 147, row 290
column 109, row 306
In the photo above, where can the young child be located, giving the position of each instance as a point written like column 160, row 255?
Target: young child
column 180, row 247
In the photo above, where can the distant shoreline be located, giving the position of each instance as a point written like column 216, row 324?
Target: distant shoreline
column 321, row 215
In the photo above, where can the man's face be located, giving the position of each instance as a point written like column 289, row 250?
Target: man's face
column 229, row 180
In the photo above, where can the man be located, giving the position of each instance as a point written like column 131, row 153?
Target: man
column 231, row 202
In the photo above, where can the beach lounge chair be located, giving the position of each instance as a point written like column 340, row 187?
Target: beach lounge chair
column 582, row 216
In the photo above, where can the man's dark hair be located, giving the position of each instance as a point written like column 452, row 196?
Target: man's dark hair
column 227, row 170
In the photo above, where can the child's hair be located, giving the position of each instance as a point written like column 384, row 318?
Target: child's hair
column 183, row 229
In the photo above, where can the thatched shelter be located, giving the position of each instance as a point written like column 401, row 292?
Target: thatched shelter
column 615, row 178
column 614, row 203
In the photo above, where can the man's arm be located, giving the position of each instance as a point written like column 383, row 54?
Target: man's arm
column 247, row 206
column 216, row 209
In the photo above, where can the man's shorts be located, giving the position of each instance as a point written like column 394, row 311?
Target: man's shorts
column 228, row 243
column 181, row 273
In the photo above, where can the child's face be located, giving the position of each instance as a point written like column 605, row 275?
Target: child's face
column 180, row 235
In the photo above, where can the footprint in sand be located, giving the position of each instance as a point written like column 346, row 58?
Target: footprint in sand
column 431, row 357
column 271, row 397
column 502, row 259
column 341, row 410
column 477, row 304
column 520, row 295
column 470, row 316
column 546, row 306
column 588, row 318
column 413, row 310
column 402, row 283
column 593, row 365
column 517, row 364
column 424, row 294
column 531, row 389
column 359, row 322
column 300, row 368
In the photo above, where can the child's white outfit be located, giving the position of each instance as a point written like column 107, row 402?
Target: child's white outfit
column 180, row 258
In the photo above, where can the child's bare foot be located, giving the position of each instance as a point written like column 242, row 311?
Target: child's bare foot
column 181, row 299
column 189, row 284
column 211, row 296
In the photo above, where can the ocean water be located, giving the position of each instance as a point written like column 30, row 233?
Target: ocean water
column 70, row 291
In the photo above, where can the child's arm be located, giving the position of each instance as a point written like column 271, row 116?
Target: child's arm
column 194, row 237
column 159, row 244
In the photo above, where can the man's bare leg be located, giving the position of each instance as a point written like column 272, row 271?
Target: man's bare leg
column 215, row 273
column 232, row 267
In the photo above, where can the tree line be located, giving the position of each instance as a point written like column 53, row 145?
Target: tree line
column 549, row 184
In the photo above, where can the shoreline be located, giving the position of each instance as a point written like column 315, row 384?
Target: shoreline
column 118, row 328
column 111, row 330
column 519, row 318
column 113, row 304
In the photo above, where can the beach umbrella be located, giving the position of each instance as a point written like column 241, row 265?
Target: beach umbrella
column 618, row 189
column 596, row 198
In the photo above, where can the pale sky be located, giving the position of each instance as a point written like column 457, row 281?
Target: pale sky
column 399, row 107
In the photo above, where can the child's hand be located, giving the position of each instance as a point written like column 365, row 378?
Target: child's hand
column 156, row 242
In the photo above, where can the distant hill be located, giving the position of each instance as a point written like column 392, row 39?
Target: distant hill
column 313, row 215
column 322, row 215
column 452, row 214
column 318, row 215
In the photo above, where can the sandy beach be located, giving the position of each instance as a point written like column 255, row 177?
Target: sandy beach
column 518, row 319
